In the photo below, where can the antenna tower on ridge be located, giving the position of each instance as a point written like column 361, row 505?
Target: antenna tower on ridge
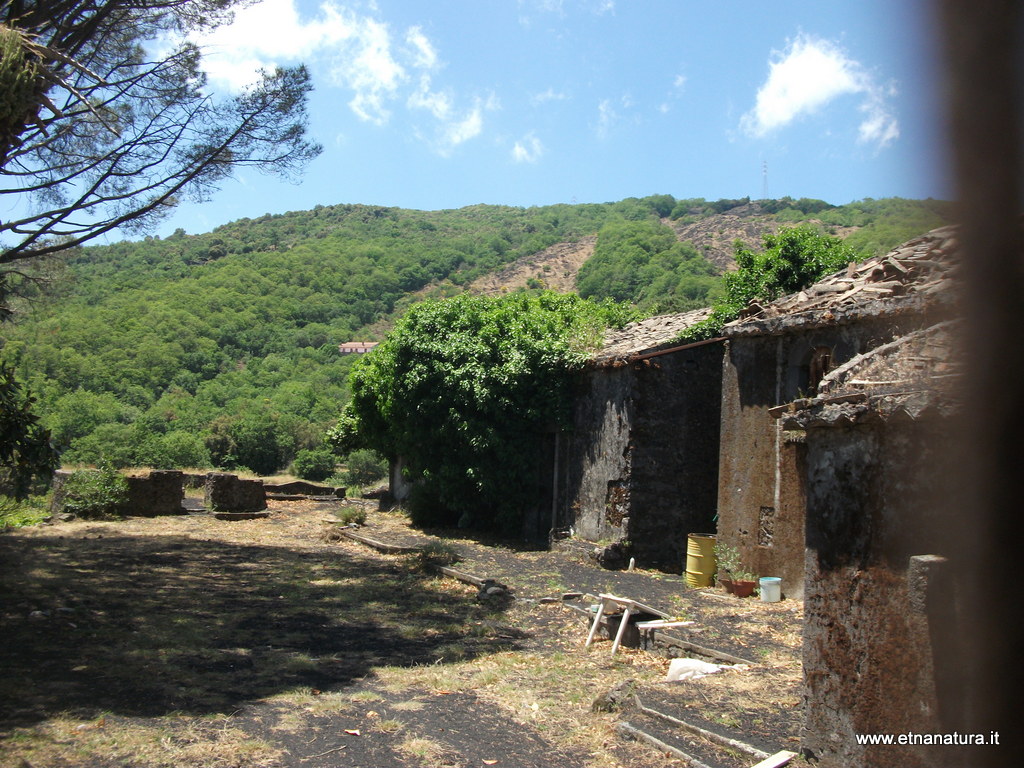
column 764, row 179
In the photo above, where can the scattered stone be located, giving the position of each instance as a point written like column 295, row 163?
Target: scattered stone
column 492, row 590
column 614, row 557
column 617, row 698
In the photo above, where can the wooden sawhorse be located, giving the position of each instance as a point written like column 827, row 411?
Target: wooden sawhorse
column 628, row 606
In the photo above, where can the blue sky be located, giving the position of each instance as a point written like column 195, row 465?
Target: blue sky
column 449, row 103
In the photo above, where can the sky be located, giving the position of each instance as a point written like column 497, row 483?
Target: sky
column 449, row 103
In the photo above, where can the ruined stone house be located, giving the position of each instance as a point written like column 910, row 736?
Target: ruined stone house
column 671, row 440
column 881, row 630
column 779, row 353
column 643, row 457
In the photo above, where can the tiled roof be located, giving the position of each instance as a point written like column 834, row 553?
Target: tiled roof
column 910, row 277
column 645, row 335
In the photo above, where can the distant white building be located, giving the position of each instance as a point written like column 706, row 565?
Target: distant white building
column 356, row 347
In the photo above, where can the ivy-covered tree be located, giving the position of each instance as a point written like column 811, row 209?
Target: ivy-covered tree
column 462, row 389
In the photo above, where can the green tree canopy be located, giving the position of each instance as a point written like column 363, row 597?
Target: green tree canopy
column 642, row 262
column 462, row 389
column 791, row 260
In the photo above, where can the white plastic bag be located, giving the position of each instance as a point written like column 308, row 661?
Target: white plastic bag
column 689, row 669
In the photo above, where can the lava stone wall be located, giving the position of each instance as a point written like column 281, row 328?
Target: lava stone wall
column 760, row 475
column 644, row 460
column 598, row 470
column 881, row 618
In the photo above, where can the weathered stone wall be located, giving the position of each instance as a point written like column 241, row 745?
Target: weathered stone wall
column 760, row 481
column 229, row 493
column 643, row 458
column 880, row 619
column 159, row 493
column 675, row 445
column 598, row 474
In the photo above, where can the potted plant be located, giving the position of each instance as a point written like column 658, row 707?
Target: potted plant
column 743, row 583
column 728, row 559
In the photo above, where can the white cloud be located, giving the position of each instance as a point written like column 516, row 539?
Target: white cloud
column 606, row 117
column 438, row 103
column 426, row 56
column 806, row 77
column 350, row 49
column 465, row 128
column 371, row 71
column 549, row 95
column 528, row 149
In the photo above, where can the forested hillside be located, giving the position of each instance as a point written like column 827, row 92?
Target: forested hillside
column 221, row 348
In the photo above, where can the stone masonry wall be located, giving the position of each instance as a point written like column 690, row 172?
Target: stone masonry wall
column 880, row 631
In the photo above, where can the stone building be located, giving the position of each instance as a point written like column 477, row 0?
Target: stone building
column 671, row 440
column 779, row 353
column 642, row 461
column 881, row 627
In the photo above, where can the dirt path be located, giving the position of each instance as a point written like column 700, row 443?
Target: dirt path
column 188, row 641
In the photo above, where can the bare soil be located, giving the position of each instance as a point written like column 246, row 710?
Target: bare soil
column 190, row 641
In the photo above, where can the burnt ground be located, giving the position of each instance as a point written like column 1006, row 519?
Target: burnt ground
column 190, row 641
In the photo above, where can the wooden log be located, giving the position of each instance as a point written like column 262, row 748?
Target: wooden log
column 777, row 760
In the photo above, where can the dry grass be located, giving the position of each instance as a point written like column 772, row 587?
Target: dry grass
column 214, row 613
column 178, row 743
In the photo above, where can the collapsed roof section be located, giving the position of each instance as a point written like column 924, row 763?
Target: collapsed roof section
column 915, row 375
column 916, row 277
column 623, row 345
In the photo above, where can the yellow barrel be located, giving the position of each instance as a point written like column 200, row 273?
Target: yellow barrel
column 700, row 559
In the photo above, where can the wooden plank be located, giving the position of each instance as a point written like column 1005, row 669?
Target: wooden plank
column 636, row 605
column 462, row 576
column 777, row 760
column 695, row 730
column 380, row 546
column 658, row 744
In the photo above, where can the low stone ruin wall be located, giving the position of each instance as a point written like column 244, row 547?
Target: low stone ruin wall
column 224, row 492
column 300, row 488
column 162, row 492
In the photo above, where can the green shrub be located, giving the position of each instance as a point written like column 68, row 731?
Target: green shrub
column 434, row 554
column 315, row 465
column 350, row 515
column 18, row 513
column 363, row 467
column 96, row 494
